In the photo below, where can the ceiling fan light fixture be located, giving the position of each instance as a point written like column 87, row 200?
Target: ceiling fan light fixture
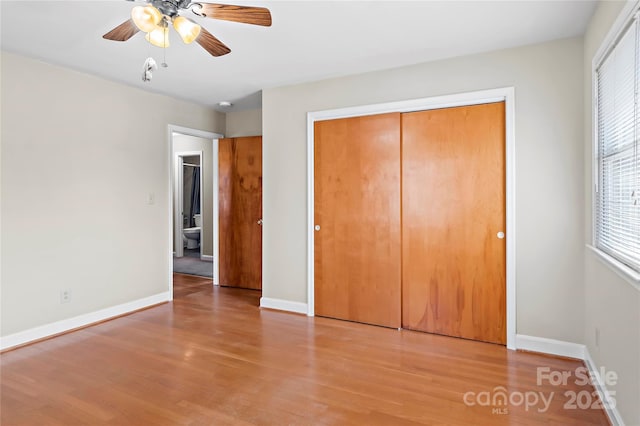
column 188, row 30
column 154, row 17
column 158, row 37
column 146, row 18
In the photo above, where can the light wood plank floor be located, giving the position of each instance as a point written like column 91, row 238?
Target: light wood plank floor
column 212, row 357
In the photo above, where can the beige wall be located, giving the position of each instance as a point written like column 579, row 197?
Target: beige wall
column 79, row 157
column 244, row 123
column 549, row 151
column 184, row 143
column 612, row 303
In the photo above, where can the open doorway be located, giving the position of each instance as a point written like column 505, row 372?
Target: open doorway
column 191, row 218
column 229, row 221
column 194, row 201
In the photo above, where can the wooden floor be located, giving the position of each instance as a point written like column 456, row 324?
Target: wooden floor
column 212, row 357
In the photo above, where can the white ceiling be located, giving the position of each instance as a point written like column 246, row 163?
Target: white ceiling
column 309, row 40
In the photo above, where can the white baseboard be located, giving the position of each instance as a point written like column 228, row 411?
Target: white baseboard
column 572, row 350
column 550, row 346
column 610, row 406
column 206, row 258
column 83, row 320
column 283, row 305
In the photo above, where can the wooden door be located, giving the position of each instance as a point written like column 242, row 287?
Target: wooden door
column 240, row 211
column 453, row 207
column 357, row 207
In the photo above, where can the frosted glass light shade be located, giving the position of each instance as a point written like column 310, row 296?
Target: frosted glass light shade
column 159, row 37
column 187, row 29
column 146, row 18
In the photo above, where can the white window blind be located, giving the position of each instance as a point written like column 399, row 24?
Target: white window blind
column 617, row 212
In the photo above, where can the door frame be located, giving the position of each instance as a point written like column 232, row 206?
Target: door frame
column 504, row 94
column 171, row 130
column 178, row 197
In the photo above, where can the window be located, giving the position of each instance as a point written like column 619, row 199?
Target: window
column 617, row 209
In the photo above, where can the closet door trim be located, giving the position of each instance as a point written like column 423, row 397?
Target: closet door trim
column 506, row 94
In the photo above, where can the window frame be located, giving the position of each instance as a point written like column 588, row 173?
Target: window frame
column 617, row 31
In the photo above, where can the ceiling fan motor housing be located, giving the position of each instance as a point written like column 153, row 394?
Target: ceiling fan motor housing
column 170, row 7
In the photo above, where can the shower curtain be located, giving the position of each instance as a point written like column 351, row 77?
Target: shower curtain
column 195, row 196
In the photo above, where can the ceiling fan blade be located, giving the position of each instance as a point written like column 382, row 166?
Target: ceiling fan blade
column 122, row 32
column 211, row 44
column 243, row 14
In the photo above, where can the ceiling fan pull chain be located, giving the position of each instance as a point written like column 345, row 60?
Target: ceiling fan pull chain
column 164, row 58
column 164, row 49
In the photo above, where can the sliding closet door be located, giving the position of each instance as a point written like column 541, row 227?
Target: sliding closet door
column 453, row 217
column 357, row 217
column 240, row 211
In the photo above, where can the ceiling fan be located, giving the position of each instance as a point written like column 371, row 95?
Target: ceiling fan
column 155, row 17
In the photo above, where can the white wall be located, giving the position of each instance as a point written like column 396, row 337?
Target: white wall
column 183, row 143
column 550, row 197
column 244, row 123
column 79, row 157
column 612, row 303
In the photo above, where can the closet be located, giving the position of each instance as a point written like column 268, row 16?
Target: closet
column 410, row 220
column 357, row 216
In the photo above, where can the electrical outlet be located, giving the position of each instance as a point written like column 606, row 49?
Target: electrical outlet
column 597, row 337
column 65, row 296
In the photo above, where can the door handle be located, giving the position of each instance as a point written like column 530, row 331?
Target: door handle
column 259, row 222
column 500, row 235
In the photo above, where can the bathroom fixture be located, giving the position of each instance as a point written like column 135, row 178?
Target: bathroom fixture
column 191, row 236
